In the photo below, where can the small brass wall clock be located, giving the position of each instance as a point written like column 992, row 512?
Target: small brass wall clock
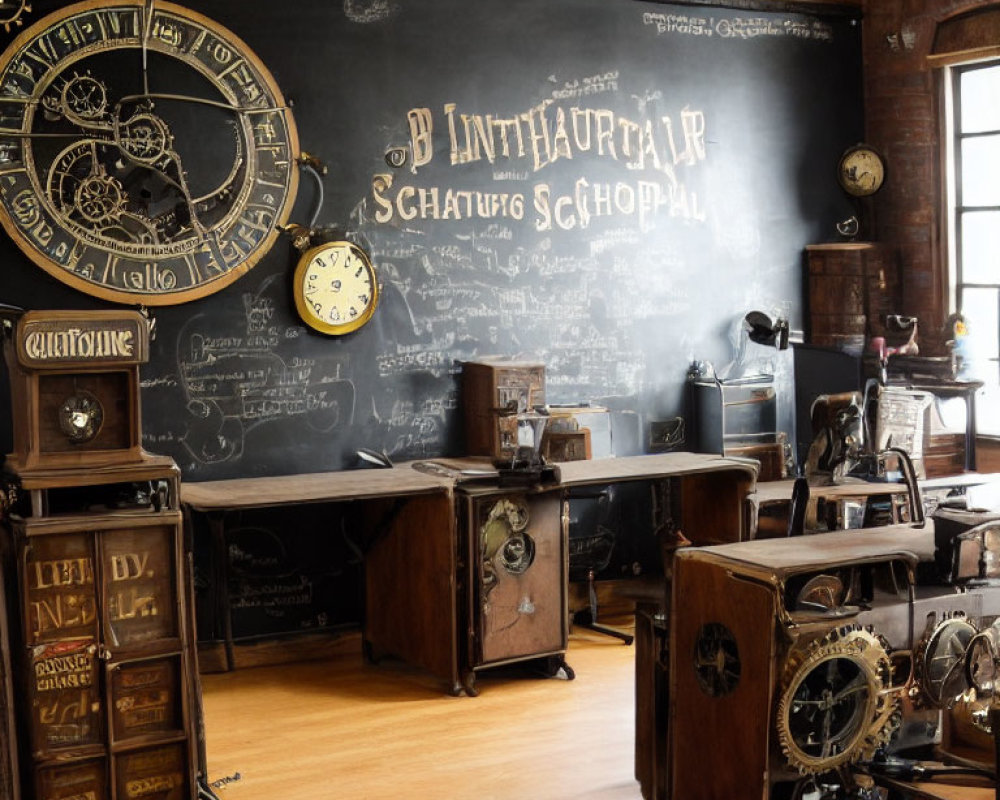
column 146, row 154
column 861, row 171
column 335, row 287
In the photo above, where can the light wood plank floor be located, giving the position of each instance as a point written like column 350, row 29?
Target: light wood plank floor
column 345, row 730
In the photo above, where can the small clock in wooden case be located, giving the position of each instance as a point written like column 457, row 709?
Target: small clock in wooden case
column 75, row 387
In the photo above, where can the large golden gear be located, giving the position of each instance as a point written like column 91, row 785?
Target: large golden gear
column 837, row 704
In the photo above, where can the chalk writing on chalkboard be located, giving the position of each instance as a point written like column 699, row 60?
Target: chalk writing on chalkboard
column 235, row 382
column 738, row 27
column 365, row 11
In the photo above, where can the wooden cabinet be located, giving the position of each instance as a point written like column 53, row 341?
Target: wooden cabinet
column 514, row 586
column 459, row 592
column 851, row 289
column 102, row 667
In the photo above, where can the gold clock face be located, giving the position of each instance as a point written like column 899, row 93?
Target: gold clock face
column 861, row 171
column 335, row 287
column 146, row 154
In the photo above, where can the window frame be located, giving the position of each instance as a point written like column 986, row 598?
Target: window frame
column 957, row 210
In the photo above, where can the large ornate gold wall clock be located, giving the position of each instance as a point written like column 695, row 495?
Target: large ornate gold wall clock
column 146, row 154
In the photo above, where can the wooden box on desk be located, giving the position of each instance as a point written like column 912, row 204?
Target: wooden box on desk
column 490, row 386
column 75, row 387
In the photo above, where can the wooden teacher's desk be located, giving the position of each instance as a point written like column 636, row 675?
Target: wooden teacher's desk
column 413, row 526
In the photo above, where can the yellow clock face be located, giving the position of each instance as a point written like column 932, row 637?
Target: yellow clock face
column 861, row 171
column 335, row 288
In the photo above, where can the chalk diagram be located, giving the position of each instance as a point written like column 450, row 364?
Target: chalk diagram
column 234, row 384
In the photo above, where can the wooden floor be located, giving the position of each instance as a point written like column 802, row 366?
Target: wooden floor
column 343, row 729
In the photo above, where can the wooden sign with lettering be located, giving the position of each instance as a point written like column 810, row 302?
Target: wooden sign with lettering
column 60, row 598
column 75, row 387
column 160, row 772
column 65, row 699
column 147, row 698
column 140, row 593
column 78, row 781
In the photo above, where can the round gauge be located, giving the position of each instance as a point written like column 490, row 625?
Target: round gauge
column 81, row 416
column 335, row 288
column 833, row 709
column 821, row 593
column 148, row 155
column 941, row 661
column 981, row 661
column 861, row 171
column 716, row 660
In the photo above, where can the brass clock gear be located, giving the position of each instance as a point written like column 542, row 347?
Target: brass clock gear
column 837, row 705
column 10, row 14
column 149, row 155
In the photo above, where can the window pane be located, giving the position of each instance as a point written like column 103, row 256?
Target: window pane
column 979, row 307
column 981, row 247
column 980, row 167
column 981, row 100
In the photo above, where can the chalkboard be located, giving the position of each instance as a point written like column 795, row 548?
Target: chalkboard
column 605, row 186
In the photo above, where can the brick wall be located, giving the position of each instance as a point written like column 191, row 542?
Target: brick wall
column 902, row 103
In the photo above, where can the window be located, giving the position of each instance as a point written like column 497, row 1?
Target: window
column 975, row 225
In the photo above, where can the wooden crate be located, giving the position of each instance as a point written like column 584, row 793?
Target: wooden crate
column 488, row 387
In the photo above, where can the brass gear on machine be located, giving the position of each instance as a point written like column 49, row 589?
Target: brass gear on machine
column 837, row 704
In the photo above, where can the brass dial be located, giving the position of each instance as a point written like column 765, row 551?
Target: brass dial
column 335, row 288
column 81, row 416
column 146, row 154
column 861, row 171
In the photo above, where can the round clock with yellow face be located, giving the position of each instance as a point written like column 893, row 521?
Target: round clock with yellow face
column 146, row 154
column 861, row 171
column 335, row 287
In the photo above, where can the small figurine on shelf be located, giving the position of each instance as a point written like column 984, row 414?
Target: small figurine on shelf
column 900, row 326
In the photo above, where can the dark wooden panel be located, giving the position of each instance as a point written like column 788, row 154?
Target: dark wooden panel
column 705, row 594
column 410, row 587
column 60, row 595
column 111, row 390
column 67, row 710
column 161, row 772
column 520, row 578
column 146, row 698
column 88, row 779
column 140, row 586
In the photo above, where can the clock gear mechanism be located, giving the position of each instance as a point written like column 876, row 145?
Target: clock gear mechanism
column 836, row 707
column 149, row 156
column 11, row 13
column 940, row 662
